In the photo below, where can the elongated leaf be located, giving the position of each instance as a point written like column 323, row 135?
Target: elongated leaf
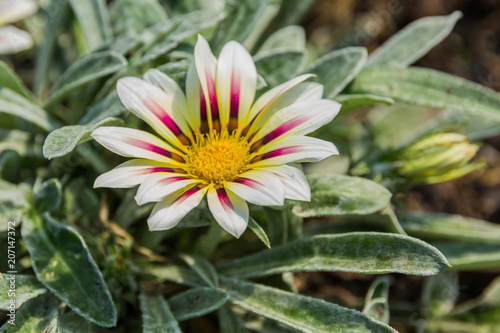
column 279, row 66
column 70, row 322
column 303, row 313
column 203, row 268
column 376, row 303
column 471, row 256
column 26, row 288
column 259, row 231
column 134, row 16
column 431, row 88
column 229, row 322
column 93, row 16
column 177, row 274
column 156, row 315
column 414, row 41
column 452, row 227
column 62, row 141
column 9, row 79
column 352, row 102
column 36, row 315
column 341, row 195
column 64, row 265
column 48, row 196
column 336, row 69
column 24, row 143
column 14, row 104
column 440, row 293
column 197, row 302
column 84, row 71
column 292, row 37
column 359, row 252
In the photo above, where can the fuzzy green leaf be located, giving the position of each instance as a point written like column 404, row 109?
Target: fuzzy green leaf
column 414, row 41
column 342, row 195
column 471, row 256
column 352, row 102
column 26, row 288
column 93, row 16
column 259, row 231
column 279, row 66
column 292, row 37
column 134, row 16
column 24, row 143
column 48, row 196
column 300, row 312
column 336, row 69
column 426, row 87
column 197, row 302
column 156, row 315
column 62, row 141
column 203, row 268
column 357, row 252
column 62, row 262
column 86, row 70
column 13, row 203
column 9, row 79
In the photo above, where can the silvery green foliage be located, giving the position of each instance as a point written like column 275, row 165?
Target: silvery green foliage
column 86, row 257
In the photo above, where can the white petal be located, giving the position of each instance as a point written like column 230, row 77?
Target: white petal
column 171, row 88
column 298, row 119
column 193, row 89
column 301, row 92
column 259, row 187
column 168, row 212
column 206, row 67
column 130, row 173
column 14, row 10
column 236, row 84
column 268, row 99
column 158, row 185
column 296, row 148
column 296, row 185
column 135, row 143
column 230, row 211
column 155, row 107
column 13, row 40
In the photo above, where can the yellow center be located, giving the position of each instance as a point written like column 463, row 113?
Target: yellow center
column 218, row 157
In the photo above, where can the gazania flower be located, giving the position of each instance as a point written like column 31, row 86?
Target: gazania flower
column 216, row 140
column 13, row 40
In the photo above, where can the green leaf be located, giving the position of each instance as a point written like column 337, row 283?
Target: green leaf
column 414, row 41
column 71, row 322
column 229, row 322
column 36, row 315
column 16, row 105
column 452, row 227
column 470, row 256
column 156, row 315
column 279, row 66
column 342, row 195
column 426, row 87
column 336, row 69
column 203, row 268
column 197, row 302
column 86, row 70
column 292, row 37
column 26, row 288
column 241, row 19
column 13, row 204
column 93, row 16
column 48, row 196
column 352, row 102
column 62, row 141
column 259, row 232
column 110, row 106
column 440, row 293
column 300, row 312
column 376, row 304
column 282, row 225
column 357, row 252
column 62, row 262
column 9, row 79
column 177, row 274
column 134, row 16
column 24, row 143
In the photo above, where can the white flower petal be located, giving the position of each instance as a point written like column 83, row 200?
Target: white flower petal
column 171, row 88
column 168, row 212
column 259, row 187
column 297, row 119
column 158, row 185
column 296, row 148
column 236, row 84
column 13, row 40
column 14, row 10
column 130, row 173
column 135, row 143
column 206, row 67
column 296, row 185
column 155, row 107
column 230, row 211
column 195, row 103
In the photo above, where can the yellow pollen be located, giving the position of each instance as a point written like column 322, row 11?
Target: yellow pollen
column 218, row 157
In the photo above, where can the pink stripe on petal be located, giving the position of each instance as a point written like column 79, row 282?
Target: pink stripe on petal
column 184, row 196
column 150, row 147
column 159, row 169
column 224, row 199
column 280, row 152
column 163, row 116
column 283, row 128
column 212, row 97
column 170, row 180
column 235, row 95
column 248, row 182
